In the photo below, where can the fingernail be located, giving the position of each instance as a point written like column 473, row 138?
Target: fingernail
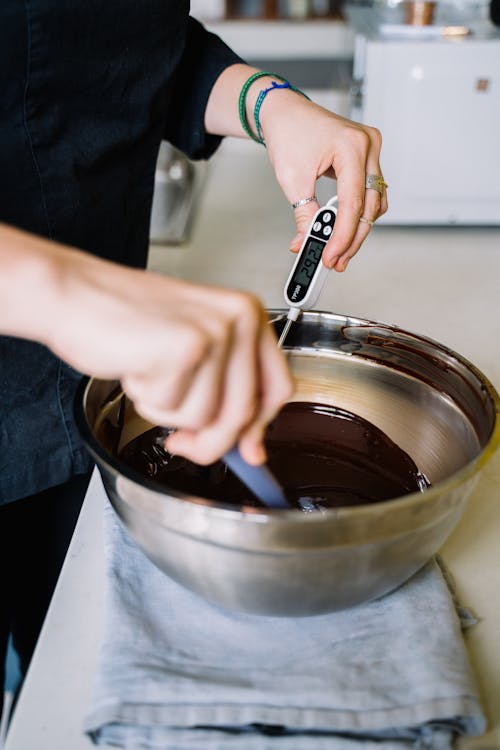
column 331, row 263
column 295, row 243
column 337, row 264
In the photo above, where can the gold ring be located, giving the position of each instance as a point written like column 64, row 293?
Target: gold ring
column 367, row 221
column 304, row 201
column 375, row 182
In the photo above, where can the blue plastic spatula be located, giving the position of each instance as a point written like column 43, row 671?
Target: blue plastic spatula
column 258, row 479
column 263, row 484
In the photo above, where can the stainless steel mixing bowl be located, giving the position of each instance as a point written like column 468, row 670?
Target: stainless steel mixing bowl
column 429, row 400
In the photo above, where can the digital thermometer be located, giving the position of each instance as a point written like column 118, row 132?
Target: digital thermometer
column 308, row 274
column 302, row 289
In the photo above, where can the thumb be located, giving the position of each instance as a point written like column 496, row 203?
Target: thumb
column 303, row 216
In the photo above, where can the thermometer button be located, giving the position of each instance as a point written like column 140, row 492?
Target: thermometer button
column 323, row 225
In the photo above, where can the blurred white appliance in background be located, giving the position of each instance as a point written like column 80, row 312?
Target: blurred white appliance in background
column 436, row 101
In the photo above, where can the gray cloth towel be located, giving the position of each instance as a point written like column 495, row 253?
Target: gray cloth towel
column 177, row 673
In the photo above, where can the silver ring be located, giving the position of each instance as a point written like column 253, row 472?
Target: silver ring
column 375, row 182
column 366, row 221
column 303, row 201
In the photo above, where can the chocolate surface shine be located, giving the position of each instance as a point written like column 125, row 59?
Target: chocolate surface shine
column 327, row 455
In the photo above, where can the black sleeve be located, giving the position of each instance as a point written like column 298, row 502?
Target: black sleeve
column 495, row 11
column 204, row 58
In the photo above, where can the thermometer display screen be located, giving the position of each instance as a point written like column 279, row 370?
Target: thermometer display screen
column 307, row 265
column 311, row 256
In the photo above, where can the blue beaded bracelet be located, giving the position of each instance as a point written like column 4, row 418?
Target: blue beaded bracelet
column 258, row 104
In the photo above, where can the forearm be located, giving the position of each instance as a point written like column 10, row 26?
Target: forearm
column 50, row 293
column 65, row 299
column 29, row 271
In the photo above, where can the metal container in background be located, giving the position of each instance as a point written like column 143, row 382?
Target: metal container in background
column 420, row 12
column 177, row 186
column 430, row 401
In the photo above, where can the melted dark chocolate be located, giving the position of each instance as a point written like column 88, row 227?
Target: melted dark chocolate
column 317, row 452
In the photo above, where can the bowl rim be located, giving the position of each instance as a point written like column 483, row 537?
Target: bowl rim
column 266, row 515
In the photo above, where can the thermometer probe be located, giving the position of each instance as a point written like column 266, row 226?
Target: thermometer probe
column 308, row 274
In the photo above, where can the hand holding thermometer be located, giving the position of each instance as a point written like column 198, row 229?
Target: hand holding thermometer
column 308, row 274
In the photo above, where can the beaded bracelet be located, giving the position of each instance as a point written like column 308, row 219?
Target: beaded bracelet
column 242, row 103
column 262, row 96
column 242, row 108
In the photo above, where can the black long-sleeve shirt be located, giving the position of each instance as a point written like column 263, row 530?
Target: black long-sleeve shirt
column 88, row 89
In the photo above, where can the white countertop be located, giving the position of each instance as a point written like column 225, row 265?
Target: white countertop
column 440, row 282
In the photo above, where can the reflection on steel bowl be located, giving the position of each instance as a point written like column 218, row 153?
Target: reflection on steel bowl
column 426, row 398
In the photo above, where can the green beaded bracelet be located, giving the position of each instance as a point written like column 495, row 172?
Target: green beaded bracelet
column 242, row 102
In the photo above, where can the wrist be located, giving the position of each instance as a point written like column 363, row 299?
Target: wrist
column 279, row 108
column 253, row 97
